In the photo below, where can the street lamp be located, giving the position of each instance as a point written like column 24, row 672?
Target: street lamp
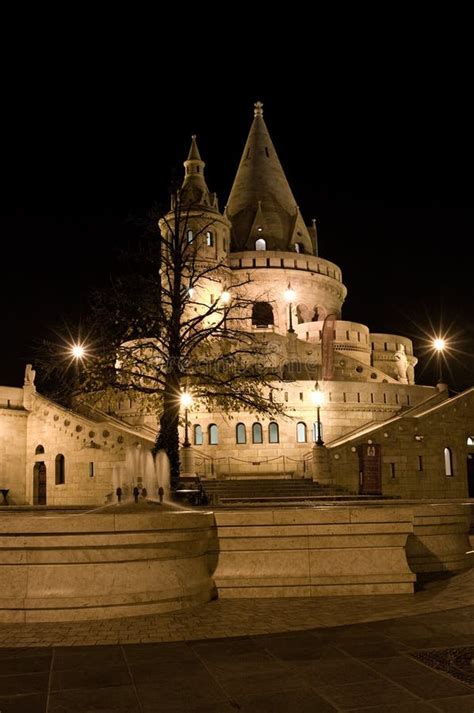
column 225, row 299
column 78, row 351
column 186, row 401
column 289, row 296
column 318, row 398
column 439, row 345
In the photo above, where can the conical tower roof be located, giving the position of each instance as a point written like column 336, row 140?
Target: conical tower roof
column 194, row 190
column 261, row 204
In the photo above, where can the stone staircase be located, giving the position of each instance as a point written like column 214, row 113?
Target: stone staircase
column 248, row 491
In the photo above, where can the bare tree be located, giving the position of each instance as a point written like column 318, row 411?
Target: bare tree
column 177, row 317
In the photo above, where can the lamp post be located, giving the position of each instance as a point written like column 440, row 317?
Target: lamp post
column 225, row 299
column 186, row 401
column 289, row 297
column 439, row 345
column 318, row 398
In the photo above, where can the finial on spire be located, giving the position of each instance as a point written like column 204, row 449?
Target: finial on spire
column 258, row 111
column 194, row 151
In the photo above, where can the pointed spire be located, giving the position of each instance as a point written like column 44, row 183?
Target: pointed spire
column 194, row 189
column 261, row 189
column 194, row 154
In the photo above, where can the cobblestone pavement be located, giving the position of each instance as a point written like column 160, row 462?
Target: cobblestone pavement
column 358, row 654
column 244, row 617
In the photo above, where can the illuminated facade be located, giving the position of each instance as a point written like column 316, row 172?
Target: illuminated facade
column 420, row 435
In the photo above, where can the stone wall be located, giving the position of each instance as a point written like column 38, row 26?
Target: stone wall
column 91, row 449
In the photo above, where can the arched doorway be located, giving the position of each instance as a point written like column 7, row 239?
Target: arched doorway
column 39, row 484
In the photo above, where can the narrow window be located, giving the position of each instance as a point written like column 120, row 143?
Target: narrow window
column 91, row 469
column 59, row 469
column 408, row 399
column 273, row 433
column 213, row 435
column 301, row 432
column 257, row 433
column 448, row 461
column 371, row 398
column 209, row 239
column 240, row 433
column 39, row 449
column 358, row 397
column 266, row 152
column 470, row 441
column 197, row 435
column 420, row 462
column 260, row 244
column 392, row 470
column 190, row 236
column 301, row 396
column 385, row 398
column 286, row 396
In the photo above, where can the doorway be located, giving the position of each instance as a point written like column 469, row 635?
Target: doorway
column 370, row 469
column 39, row 484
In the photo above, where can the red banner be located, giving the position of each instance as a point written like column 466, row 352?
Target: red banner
column 327, row 347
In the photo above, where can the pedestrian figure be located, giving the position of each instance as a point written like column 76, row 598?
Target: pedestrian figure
column 118, row 493
column 144, row 493
column 161, row 493
column 136, row 493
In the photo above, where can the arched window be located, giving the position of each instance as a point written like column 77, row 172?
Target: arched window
column 209, row 239
column 59, row 478
column 301, row 432
column 316, row 435
column 448, row 461
column 240, row 433
column 273, row 432
column 262, row 314
column 213, row 435
column 39, row 449
column 257, row 433
column 190, row 236
column 197, row 435
column 260, row 244
column 470, row 441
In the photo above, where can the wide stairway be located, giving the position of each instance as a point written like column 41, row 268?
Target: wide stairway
column 248, row 491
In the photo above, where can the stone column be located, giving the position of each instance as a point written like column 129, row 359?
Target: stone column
column 321, row 465
column 187, row 461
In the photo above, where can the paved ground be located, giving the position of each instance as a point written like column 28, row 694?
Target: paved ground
column 266, row 656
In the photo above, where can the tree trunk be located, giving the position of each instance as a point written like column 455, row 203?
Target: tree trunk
column 168, row 435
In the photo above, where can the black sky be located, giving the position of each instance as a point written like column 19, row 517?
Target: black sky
column 378, row 151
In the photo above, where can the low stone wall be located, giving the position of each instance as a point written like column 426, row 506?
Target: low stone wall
column 338, row 550
column 440, row 539
column 313, row 552
column 102, row 565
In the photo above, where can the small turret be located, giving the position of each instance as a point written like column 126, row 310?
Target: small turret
column 194, row 190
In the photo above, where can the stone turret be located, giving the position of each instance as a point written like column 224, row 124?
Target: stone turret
column 261, row 206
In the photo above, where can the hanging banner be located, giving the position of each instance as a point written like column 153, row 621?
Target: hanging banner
column 327, row 347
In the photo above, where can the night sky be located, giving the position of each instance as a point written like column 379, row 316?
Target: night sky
column 379, row 158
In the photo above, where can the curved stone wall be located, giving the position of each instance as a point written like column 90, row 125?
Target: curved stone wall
column 102, row 565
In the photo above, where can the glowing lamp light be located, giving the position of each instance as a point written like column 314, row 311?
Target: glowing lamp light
column 318, row 397
column 289, row 294
column 226, row 297
column 78, row 351
column 186, row 399
column 439, row 344
column 191, row 292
